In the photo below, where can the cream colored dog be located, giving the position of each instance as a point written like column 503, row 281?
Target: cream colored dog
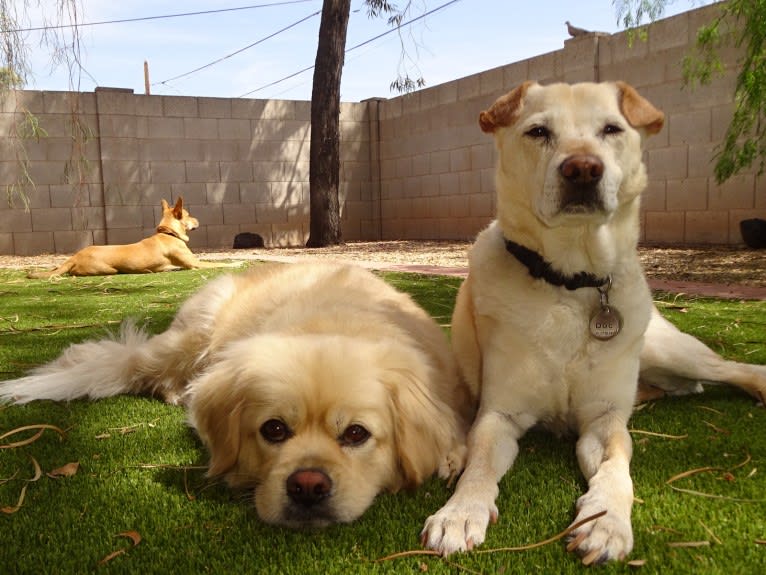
column 319, row 385
column 164, row 251
column 549, row 325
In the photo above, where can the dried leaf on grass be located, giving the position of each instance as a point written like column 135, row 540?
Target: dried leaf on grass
column 135, row 538
column 68, row 470
column 10, row 509
column 40, row 427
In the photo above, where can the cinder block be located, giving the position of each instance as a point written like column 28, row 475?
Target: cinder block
column 222, row 193
column 122, row 217
column 708, row 227
column 33, row 243
column 192, row 193
column 701, row 160
column 688, row 194
column 668, row 163
column 148, row 105
column 51, row 219
column 738, row 192
column 116, row 103
column 668, row 33
column 236, row 171
column 6, row 243
column 234, row 214
column 204, row 172
column 234, row 129
column 201, row 128
column 460, row 160
column 161, row 128
column 167, row 172
column 67, row 242
column 214, row 107
column 664, row 228
column 15, row 220
column 180, row 106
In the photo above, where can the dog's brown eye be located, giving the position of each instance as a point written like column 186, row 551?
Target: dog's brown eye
column 275, row 431
column 539, row 133
column 610, row 129
column 354, row 435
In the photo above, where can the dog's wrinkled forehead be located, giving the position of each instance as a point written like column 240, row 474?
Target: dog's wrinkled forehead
column 530, row 97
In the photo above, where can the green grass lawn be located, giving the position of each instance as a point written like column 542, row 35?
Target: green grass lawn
column 141, row 468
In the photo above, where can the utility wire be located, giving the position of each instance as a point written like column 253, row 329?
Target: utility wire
column 145, row 18
column 219, row 60
column 386, row 33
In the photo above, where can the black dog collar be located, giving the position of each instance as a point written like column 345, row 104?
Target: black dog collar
column 541, row 269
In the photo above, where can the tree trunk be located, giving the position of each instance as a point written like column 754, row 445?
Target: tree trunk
column 324, row 168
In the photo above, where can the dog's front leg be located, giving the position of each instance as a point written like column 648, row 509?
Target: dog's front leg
column 603, row 452
column 462, row 523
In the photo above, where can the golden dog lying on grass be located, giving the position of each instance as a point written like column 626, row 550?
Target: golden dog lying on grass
column 164, row 251
column 549, row 325
column 317, row 384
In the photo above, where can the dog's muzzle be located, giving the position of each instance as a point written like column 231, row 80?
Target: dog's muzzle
column 580, row 176
column 310, row 493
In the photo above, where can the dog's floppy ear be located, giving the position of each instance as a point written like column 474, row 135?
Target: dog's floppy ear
column 427, row 430
column 638, row 111
column 505, row 110
column 215, row 413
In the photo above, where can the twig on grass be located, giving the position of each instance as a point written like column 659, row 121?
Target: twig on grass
column 710, row 532
column 41, row 427
column 699, row 470
column 689, row 544
column 654, row 434
column 557, row 537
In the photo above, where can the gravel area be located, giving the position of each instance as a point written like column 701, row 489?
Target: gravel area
column 707, row 264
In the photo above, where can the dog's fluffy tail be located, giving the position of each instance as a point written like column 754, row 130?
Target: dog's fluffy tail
column 131, row 363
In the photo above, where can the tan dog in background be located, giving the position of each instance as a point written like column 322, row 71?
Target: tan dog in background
column 549, row 326
column 164, row 251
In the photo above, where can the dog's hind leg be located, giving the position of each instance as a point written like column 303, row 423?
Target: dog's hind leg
column 677, row 363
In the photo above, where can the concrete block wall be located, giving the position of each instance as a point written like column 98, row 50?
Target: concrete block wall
column 437, row 175
column 412, row 167
column 240, row 165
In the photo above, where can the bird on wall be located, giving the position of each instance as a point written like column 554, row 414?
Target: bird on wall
column 574, row 31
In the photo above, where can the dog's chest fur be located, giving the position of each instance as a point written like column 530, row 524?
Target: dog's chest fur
column 543, row 330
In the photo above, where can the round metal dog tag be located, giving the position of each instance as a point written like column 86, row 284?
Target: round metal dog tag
column 606, row 323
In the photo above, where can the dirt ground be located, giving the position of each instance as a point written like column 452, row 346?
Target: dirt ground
column 707, row 264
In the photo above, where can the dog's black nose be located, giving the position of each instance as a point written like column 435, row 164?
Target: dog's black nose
column 582, row 169
column 308, row 487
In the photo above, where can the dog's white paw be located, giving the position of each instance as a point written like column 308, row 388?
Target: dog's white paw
column 608, row 538
column 458, row 526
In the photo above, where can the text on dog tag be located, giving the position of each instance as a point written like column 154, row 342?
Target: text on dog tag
column 606, row 323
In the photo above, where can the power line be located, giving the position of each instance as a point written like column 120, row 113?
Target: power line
column 386, row 33
column 214, row 62
column 145, row 18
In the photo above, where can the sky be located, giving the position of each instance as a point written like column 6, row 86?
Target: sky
column 250, row 48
